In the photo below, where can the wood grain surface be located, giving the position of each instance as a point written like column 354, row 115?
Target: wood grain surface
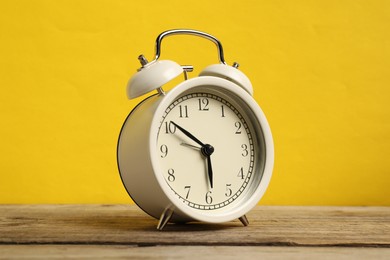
column 122, row 228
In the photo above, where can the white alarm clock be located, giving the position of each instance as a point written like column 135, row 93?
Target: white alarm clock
column 202, row 151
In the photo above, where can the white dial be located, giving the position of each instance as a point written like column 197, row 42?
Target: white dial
column 207, row 150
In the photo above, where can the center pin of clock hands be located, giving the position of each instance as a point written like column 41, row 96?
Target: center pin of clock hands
column 206, row 149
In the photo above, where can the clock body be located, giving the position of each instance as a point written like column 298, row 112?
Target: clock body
column 163, row 168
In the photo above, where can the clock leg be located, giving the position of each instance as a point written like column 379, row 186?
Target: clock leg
column 244, row 220
column 164, row 218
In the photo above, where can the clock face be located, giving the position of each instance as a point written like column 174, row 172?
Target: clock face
column 209, row 151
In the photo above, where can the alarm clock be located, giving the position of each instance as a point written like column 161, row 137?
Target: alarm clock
column 202, row 151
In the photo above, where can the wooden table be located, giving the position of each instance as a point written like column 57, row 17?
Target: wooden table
column 123, row 231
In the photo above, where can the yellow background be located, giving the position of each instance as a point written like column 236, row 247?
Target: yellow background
column 320, row 71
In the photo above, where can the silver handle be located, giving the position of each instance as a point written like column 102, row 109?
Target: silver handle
column 189, row 32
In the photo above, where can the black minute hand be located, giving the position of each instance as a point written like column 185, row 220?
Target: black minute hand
column 210, row 170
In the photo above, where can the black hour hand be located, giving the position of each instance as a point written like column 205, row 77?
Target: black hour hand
column 188, row 134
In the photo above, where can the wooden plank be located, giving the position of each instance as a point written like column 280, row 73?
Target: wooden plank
column 188, row 252
column 127, row 225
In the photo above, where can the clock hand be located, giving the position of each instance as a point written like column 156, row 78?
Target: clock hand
column 188, row 134
column 206, row 149
column 191, row 146
column 210, row 170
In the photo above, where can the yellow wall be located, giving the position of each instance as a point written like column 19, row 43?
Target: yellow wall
column 320, row 69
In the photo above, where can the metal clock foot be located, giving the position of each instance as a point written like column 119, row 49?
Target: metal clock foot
column 244, row 220
column 165, row 217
